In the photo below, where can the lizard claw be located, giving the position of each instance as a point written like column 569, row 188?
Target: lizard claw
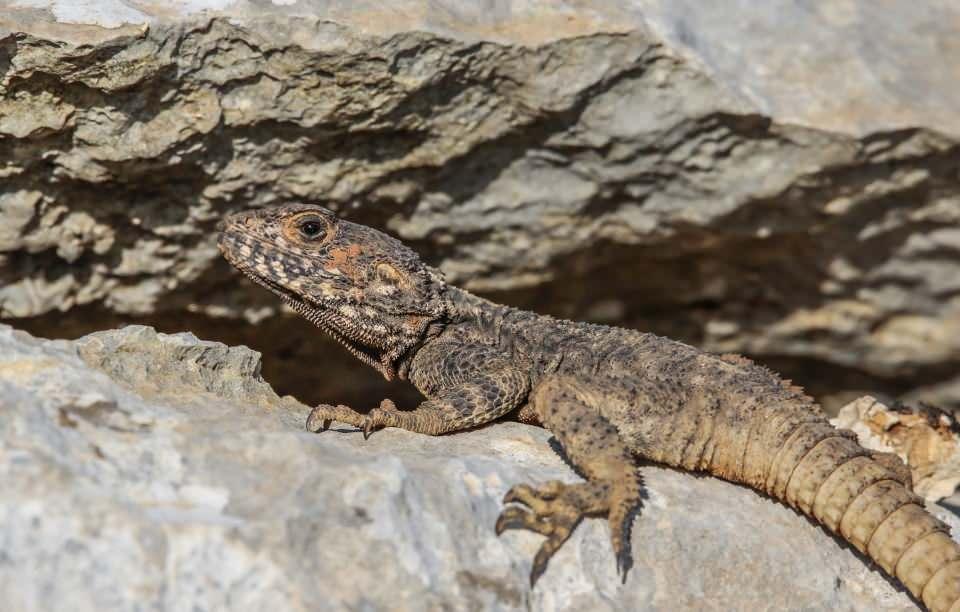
column 533, row 498
column 515, row 517
column 378, row 417
column 321, row 418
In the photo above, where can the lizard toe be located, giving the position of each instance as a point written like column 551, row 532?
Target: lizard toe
column 519, row 494
column 323, row 415
column 320, row 418
column 515, row 517
column 559, row 534
column 378, row 418
column 388, row 405
column 367, row 430
column 625, row 501
column 553, row 510
column 534, row 497
column 556, row 508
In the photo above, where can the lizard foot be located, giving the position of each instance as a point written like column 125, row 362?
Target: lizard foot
column 556, row 508
column 323, row 415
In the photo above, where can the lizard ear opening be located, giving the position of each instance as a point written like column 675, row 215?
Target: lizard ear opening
column 388, row 274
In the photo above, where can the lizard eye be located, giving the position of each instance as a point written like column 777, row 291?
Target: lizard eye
column 312, row 230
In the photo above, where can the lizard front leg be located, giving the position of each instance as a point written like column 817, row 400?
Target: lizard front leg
column 594, row 446
column 466, row 385
column 323, row 416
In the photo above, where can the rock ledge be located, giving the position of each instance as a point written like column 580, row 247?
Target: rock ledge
column 142, row 471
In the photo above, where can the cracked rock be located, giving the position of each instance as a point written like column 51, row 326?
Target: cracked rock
column 768, row 180
column 143, row 471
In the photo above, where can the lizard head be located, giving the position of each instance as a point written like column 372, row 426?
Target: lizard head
column 366, row 289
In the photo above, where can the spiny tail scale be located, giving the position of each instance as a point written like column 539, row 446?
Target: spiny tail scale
column 823, row 472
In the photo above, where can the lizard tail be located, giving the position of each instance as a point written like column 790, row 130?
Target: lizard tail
column 824, row 473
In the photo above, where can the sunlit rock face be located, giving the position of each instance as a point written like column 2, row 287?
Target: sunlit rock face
column 148, row 471
column 781, row 180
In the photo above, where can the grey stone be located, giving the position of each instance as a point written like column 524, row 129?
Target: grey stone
column 781, row 180
column 143, row 471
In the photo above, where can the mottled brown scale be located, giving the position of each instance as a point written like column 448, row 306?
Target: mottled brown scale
column 610, row 397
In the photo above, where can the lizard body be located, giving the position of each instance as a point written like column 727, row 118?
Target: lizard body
column 610, row 396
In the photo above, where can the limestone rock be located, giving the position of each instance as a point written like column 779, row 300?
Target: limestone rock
column 142, row 471
column 780, row 180
column 925, row 439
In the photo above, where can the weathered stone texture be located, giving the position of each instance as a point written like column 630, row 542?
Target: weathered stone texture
column 925, row 438
column 631, row 174
column 140, row 471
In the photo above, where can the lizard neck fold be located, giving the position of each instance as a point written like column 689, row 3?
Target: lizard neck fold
column 532, row 341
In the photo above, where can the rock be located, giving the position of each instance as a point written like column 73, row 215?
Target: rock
column 925, row 439
column 780, row 181
column 146, row 471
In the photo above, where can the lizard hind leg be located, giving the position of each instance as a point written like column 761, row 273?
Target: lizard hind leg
column 594, row 447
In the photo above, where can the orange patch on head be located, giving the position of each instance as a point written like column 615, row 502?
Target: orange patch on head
column 345, row 260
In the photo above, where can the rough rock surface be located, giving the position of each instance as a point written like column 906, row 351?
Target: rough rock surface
column 780, row 180
column 926, row 439
column 140, row 471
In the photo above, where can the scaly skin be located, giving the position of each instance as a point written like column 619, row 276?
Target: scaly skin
column 610, row 396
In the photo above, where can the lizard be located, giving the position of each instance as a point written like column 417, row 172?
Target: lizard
column 613, row 398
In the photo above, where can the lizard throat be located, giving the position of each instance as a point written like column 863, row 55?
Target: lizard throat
column 365, row 351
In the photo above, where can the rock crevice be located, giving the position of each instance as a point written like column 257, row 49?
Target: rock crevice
column 623, row 175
